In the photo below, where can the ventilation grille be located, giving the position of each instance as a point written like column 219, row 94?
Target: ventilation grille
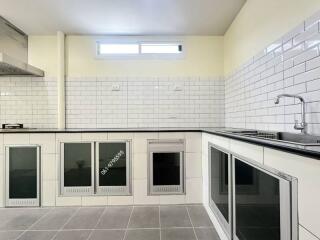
column 114, row 190
column 78, row 190
column 167, row 189
column 23, row 203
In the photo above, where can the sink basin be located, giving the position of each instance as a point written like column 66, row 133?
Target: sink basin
column 294, row 138
column 298, row 138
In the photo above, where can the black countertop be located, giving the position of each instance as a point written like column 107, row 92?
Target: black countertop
column 308, row 151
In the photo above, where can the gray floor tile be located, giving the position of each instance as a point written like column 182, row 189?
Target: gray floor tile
column 174, row 216
column 9, row 235
column 143, row 234
column 199, row 216
column 6, row 214
column 23, row 220
column 144, row 217
column 206, row 234
column 107, row 235
column 178, row 234
column 55, row 219
column 37, row 235
column 85, row 218
column 115, row 218
column 73, row 235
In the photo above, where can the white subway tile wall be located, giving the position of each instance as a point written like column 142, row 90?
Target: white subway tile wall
column 27, row 100
column 120, row 102
column 289, row 65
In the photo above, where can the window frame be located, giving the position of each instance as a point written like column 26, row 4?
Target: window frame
column 113, row 190
column 139, row 42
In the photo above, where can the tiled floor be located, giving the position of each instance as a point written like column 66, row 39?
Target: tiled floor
column 107, row 223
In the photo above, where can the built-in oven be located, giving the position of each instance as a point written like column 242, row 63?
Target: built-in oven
column 166, row 167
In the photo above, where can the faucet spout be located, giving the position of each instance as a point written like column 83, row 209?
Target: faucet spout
column 302, row 126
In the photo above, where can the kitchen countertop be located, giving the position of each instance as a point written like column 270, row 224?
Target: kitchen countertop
column 308, row 151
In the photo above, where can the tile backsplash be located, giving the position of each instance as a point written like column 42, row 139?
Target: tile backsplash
column 290, row 65
column 244, row 99
column 120, row 102
column 31, row 101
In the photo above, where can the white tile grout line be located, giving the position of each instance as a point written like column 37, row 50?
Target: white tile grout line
column 160, row 221
column 99, row 219
column 108, row 229
column 125, row 233
column 194, row 231
column 50, row 209
column 72, row 215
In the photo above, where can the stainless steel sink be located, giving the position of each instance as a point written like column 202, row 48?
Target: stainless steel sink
column 299, row 138
column 293, row 138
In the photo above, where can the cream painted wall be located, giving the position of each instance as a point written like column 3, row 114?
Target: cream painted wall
column 43, row 53
column 204, row 56
column 259, row 23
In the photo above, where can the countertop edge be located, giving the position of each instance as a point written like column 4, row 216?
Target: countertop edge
column 261, row 142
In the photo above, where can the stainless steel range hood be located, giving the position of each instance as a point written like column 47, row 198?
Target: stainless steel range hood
column 14, row 52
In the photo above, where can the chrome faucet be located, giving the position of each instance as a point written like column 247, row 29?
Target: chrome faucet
column 302, row 126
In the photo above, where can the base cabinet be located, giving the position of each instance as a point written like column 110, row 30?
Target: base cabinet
column 307, row 171
column 250, row 200
column 95, row 168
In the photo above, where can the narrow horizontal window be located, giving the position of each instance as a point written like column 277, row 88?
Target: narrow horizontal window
column 140, row 49
column 161, row 48
column 108, row 48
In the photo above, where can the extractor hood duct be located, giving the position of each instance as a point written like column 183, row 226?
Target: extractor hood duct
column 14, row 52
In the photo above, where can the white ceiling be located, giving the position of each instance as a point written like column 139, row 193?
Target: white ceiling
column 125, row 17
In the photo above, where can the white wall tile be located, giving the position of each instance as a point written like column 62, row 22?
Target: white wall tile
column 27, row 100
column 145, row 102
column 120, row 200
column 48, row 193
column 296, row 71
column 140, row 193
column 94, row 200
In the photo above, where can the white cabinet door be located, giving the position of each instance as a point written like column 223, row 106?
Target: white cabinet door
column 307, row 171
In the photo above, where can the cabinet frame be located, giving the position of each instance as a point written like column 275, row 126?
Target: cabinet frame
column 113, row 190
column 288, row 189
column 227, row 227
column 166, row 146
column 76, row 191
column 22, row 202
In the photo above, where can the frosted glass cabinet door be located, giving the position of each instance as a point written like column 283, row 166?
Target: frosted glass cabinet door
column 113, row 168
column 22, row 176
